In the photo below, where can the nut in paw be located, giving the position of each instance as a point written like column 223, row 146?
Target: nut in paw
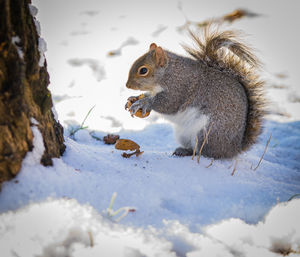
column 136, row 107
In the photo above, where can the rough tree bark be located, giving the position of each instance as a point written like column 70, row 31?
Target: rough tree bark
column 23, row 91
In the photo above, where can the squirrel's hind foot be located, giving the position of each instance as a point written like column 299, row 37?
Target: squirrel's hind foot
column 181, row 152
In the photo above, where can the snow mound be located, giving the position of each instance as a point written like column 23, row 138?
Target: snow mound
column 64, row 228
column 34, row 157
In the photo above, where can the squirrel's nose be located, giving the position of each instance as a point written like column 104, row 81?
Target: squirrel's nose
column 127, row 85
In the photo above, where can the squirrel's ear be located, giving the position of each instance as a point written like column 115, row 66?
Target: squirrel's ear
column 160, row 56
column 152, row 46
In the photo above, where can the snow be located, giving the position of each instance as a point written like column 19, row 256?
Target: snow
column 33, row 10
column 34, row 157
column 16, row 40
column 182, row 208
column 64, row 228
column 98, row 70
column 42, row 46
column 54, row 112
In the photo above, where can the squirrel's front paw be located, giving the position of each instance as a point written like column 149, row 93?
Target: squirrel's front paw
column 144, row 104
column 130, row 101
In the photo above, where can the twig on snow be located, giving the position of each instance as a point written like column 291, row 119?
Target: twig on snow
column 266, row 147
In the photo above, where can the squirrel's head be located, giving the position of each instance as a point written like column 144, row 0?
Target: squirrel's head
column 145, row 70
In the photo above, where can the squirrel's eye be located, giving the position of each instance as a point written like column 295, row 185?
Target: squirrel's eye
column 143, row 71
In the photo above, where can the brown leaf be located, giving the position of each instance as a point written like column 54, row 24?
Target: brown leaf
column 126, row 144
column 112, row 53
column 110, row 139
column 238, row 14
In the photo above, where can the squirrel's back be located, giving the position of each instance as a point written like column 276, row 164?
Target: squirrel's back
column 224, row 52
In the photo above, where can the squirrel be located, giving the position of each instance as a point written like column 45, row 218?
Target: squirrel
column 215, row 95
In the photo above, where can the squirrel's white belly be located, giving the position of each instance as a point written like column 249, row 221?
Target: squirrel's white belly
column 188, row 124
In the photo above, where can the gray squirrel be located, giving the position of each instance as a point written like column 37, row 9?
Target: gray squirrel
column 213, row 96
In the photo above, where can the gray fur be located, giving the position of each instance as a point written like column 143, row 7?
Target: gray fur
column 219, row 92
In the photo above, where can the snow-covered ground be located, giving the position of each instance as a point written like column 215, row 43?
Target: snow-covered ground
column 63, row 228
column 182, row 208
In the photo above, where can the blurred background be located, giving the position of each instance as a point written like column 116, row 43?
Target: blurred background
column 92, row 44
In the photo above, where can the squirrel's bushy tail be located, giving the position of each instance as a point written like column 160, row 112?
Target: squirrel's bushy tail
column 224, row 51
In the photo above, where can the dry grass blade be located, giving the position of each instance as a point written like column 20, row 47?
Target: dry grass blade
column 211, row 162
column 204, row 142
column 74, row 131
column 234, row 168
column 266, row 147
column 91, row 238
column 87, row 115
column 195, row 148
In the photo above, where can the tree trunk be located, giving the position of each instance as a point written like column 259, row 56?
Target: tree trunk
column 23, row 91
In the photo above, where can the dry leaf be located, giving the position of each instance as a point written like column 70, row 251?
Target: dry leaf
column 139, row 113
column 110, row 139
column 230, row 17
column 126, row 144
column 238, row 14
column 113, row 53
